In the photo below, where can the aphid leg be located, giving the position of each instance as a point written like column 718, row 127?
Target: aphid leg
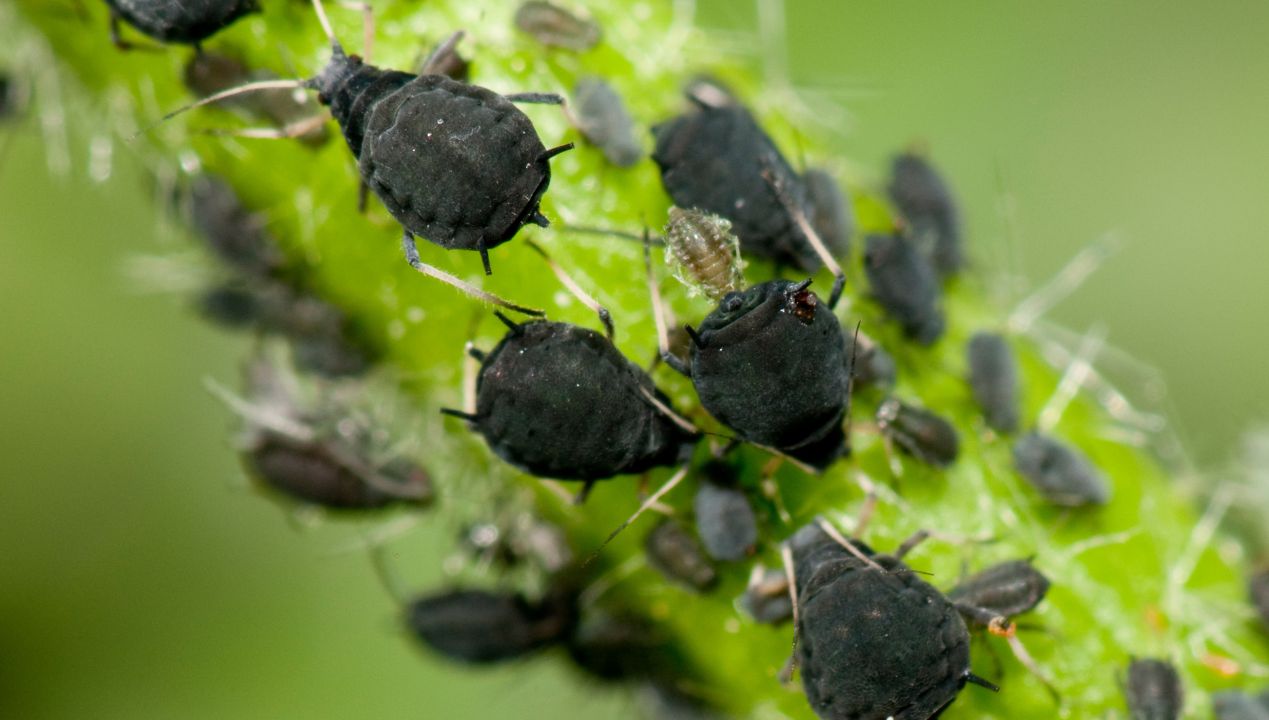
column 771, row 489
column 1001, row 626
column 668, row 411
column 367, row 27
column 441, row 52
column 363, row 195
column 1024, row 657
column 580, row 497
column 658, row 314
column 1073, row 379
column 325, row 23
column 567, row 281
column 911, row 543
column 812, row 237
column 536, row 98
column 864, row 517
column 847, row 545
column 412, row 257
column 652, row 500
column 116, row 38
column 472, row 357
column 786, row 559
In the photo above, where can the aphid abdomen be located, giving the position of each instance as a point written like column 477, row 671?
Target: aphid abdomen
column 704, row 252
column 310, row 474
column 484, row 148
column 559, row 401
column 1009, row 588
column 481, row 627
column 181, row 21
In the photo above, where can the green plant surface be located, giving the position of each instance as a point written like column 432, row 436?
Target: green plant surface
column 1117, row 588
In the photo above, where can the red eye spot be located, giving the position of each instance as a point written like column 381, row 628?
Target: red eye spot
column 804, row 304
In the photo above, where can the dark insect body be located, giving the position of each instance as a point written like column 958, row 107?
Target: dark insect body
column 554, row 26
column 208, row 73
column 1235, row 705
column 188, row 22
column 603, row 119
column 677, row 555
column 321, row 472
column 480, row 627
column 766, row 597
column 1006, row 589
column 1153, row 690
column 993, row 378
column 1258, row 590
column 717, row 159
column 561, row 401
column 904, row 284
column 919, row 432
column 874, row 641
column 724, row 517
column 768, row 363
column 620, row 647
column 704, row 253
column 457, row 164
column 232, row 232
column 444, row 59
column 830, row 211
column 1061, row 473
column 931, row 213
column 873, row 366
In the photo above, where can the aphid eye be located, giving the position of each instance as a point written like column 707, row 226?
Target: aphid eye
column 802, row 303
column 732, row 302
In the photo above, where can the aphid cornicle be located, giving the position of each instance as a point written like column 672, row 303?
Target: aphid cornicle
column 482, row 627
column 188, row 22
column 1153, row 690
column 993, row 378
column 1061, row 473
column 1235, row 705
column 918, row 432
column 904, row 284
column 677, row 555
column 926, row 204
column 874, row 641
column 724, row 517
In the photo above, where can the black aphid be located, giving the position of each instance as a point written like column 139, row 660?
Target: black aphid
column 716, row 158
column 918, row 432
column 1235, row 705
column 554, row 26
column 1009, row 588
column 481, row 627
column 993, row 378
column 830, row 211
column 188, row 22
column 458, row 164
column 1153, row 690
column 904, row 284
column 604, row 121
column 621, row 647
column 874, row 641
column 327, row 473
column 873, row 365
column 724, row 517
column 926, row 204
column 298, row 114
column 1061, row 473
column 676, row 554
column 1258, row 591
column 703, row 252
column 766, row 597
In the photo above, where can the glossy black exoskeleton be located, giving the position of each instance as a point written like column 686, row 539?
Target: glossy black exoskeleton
column 874, row 641
column 676, row 554
column 724, row 517
column 1061, row 473
column 188, row 22
column 918, row 432
column 481, row 627
column 993, row 378
column 554, row 26
column 904, row 284
column 716, row 158
column 1153, row 690
column 1258, row 591
column 931, row 213
column 604, row 121
column 1235, row 705
column 1008, row 588
column 561, row 401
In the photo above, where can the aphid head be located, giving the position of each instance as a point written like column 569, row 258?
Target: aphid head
column 338, row 70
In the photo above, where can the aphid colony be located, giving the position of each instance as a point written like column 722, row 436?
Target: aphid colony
column 772, row 363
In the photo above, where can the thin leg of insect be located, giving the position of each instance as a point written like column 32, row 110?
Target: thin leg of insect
column 536, row 98
column 786, row 558
column 441, row 52
column 911, row 543
column 771, row 489
column 669, row 485
column 568, row 282
column 667, row 411
column 472, row 357
column 1073, row 379
column 658, row 314
column 117, row 39
column 808, row 232
column 1001, row 626
column 412, row 257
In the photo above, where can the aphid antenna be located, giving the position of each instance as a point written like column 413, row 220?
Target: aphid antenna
column 1066, row 281
column 608, row 580
column 412, row 257
column 911, row 543
column 576, row 290
column 259, row 416
column 223, row 95
column 812, row 237
column 847, row 545
column 1073, row 378
column 653, row 499
column 658, row 314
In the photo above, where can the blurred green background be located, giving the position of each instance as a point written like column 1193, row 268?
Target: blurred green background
column 141, row 579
